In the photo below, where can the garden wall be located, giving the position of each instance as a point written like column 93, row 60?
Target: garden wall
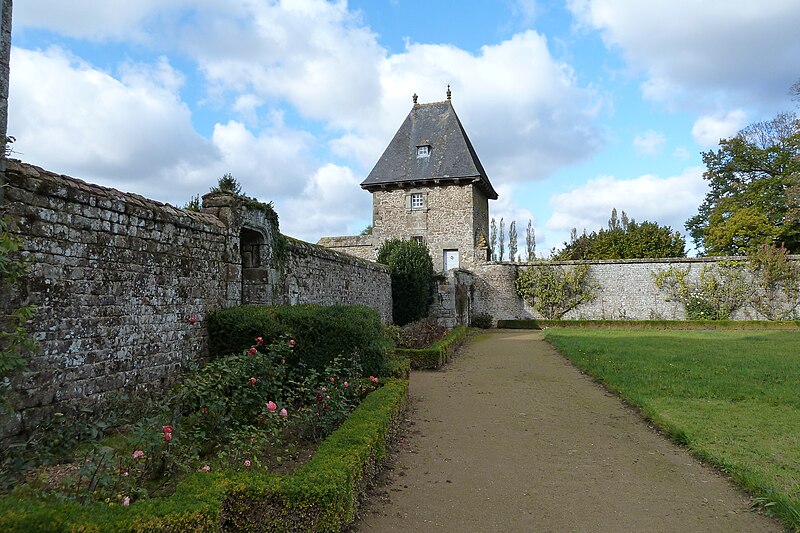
column 627, row 290
column 115, row 278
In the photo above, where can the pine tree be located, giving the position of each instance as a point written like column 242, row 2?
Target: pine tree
column 512, row 241
column 502, row 239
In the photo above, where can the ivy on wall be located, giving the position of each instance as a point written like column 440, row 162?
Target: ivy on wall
column 555, row 290
column 15, row 341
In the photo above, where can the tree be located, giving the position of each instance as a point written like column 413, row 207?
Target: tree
column 366, row 231
column 754, row 190
column 512, row 241
column 530, row 241
column 502, row 239
column 412, row 278
column 228, row 184
column 625, row 239
column 493, row 240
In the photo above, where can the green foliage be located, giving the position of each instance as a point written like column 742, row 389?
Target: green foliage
column 624, row 240
column 729, row 396
column 481, row 320
column 719, row 291
column 778, row 280
column 15, row 341
column 194, row 204
column 512, row 241
column 754, row 181
column 367, row 230
column 501, row 240
column 412, row 278
column 530, row 241
column 228, row 184
column 322, row 333
column 438, row 354
column 554, row 290
column 420, row 333
column 493, row 240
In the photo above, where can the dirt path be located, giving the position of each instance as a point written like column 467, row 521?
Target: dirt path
column 510, row 437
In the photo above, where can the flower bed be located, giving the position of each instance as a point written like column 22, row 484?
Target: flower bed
column 438, row 353
column 321, row 496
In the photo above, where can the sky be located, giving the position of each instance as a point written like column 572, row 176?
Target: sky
column 574, row 107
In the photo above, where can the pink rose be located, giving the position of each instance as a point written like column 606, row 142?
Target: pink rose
column 205, row 410
column 206, row 468
column 166, row 429
column 126, row 501
column 332, row 379
column 324, row 389
column 346, row 384
column 373, row 379
column 259, row 340
column 253, row 381
column 138, row 454
column 167, row 437
column 247, row 463
column 192, row 319
column 292, row 343
column 252, row 351
column 271, row 406
column 284, row 412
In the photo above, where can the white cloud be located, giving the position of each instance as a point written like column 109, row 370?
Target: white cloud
column 649, row 142
column 693, row 50
column 76, row 119
column 709, row 129
column 667, row 201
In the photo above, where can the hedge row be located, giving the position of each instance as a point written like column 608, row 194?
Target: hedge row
column 649, row 324
column 438, row 353
column 321, row 333
column 321, row 496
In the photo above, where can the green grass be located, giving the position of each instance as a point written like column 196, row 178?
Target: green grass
column 732, row 397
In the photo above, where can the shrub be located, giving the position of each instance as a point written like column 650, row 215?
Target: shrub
column 555, row 290
column 412, row 278
column 421, row 333
column 481, row 320
column 436, row 355
column 322, row 333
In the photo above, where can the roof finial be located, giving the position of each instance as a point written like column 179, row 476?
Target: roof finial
column 414, row 98
column 449, row 94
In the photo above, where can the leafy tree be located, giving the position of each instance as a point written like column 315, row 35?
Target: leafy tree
column 512, row 241
column 412, row 278
column 754, row 190
column 625, row 239
column 493, row 240
column 555, row 290
column 502, row 239
column 367, row 230
column 530, row 241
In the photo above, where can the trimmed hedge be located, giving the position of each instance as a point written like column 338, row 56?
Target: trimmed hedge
column 321, row 332
column 321, row 496
column 438, row 353
column 649, row 324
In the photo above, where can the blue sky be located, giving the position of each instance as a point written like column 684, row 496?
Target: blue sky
column 573, row 107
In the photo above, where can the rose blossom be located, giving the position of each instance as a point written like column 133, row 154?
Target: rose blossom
column 252, row 351
column 373, row 379
column 259, row 340
column 127, row 501
column 247, row 463
column 206, row 468
column 292, row 343
column 346, row 384
column 253, row 381
column 271, row 406
column 284, row 412
column 138, row 454
column 192, row 319
column 332, row 379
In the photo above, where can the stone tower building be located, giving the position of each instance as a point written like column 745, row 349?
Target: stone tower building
column 428, row 185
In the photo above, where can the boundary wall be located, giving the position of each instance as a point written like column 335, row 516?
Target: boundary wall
column 122, row 285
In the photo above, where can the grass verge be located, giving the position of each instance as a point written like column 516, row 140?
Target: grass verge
column 731, row 397
column 321, row 496
column 652, row 324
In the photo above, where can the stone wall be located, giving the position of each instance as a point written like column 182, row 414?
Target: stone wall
column 115, row 278
column 627, row 290
column 362, row 246
column 453, row 299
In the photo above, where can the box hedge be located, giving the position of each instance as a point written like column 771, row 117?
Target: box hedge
column 321, row 333
column 438, row 353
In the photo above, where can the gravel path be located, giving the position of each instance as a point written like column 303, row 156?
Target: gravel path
column 511, row 437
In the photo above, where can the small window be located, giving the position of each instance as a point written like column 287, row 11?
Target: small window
column 423, row 151
column 417, row 200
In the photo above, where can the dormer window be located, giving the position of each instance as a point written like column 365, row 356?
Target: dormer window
column 423, row 150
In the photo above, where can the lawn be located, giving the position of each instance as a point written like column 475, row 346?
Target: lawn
column 732, row 397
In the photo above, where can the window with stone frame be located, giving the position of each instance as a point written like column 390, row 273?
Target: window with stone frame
column 417, row 200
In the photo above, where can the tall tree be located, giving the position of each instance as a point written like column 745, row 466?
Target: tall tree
column 502, row 239
column 512, row 241
column 631, row 240
column 530, row 241
column 753, row 190
column 493, row 240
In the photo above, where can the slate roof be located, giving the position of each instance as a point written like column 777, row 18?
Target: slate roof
column 452, row 157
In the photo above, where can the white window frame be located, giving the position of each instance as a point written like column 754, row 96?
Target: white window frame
column 423, row 151
column 417, row 200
